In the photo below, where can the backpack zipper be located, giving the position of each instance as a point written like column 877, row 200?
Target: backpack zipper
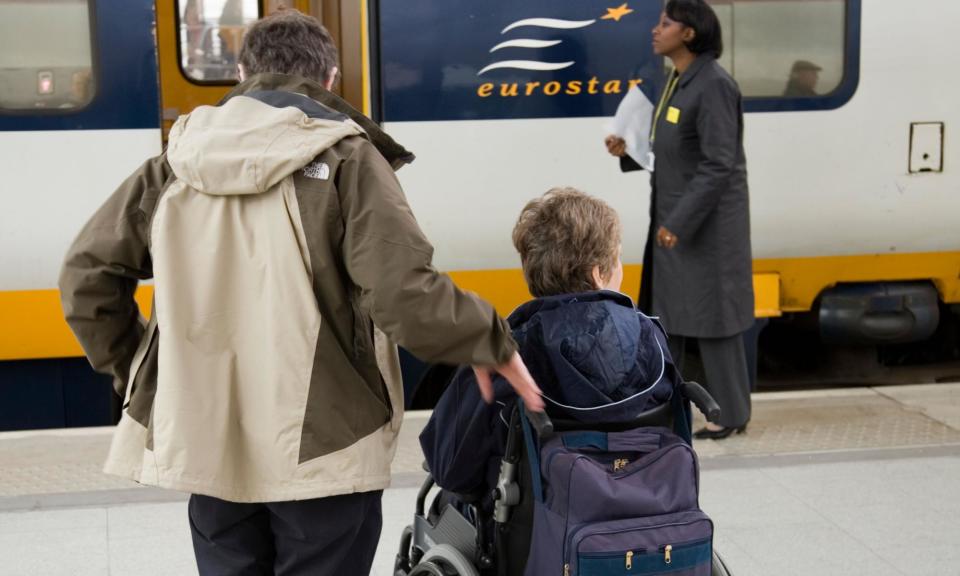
column 571, row 545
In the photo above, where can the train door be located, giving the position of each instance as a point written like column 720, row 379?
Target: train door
column 199, row 41
column 347, row 22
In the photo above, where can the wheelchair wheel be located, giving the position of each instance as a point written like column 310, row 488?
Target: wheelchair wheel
column 432, row 568
column 448, row 560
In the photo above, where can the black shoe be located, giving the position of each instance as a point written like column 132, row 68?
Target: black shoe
column 707, row 434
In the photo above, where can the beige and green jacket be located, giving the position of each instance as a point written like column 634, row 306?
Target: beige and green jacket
column 287, row 266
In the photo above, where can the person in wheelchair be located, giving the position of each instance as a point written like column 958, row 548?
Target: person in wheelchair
column 596, row 358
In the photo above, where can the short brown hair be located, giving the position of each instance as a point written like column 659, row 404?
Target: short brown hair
column 289, row 42
column 561, row 236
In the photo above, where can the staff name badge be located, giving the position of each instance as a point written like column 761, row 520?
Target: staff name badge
column 673, row 115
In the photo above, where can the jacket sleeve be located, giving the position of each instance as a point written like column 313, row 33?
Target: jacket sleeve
column 461, row 436
column 718, row 129
column 387, row 256
column 101, row 271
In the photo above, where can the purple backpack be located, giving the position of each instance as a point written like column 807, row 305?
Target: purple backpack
column 616, row 504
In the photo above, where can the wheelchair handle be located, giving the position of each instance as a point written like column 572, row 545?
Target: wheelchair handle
column 540, row 422
column 428, row 484
column 702, row 400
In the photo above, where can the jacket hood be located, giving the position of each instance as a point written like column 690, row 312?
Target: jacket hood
column 395, row 154
column 595, row 357
column 252, row 142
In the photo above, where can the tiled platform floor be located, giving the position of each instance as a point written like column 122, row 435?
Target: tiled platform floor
column 841, row 482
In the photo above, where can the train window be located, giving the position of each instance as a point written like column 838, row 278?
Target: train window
column 784, row 48
column 46, row 58
column 210, row 35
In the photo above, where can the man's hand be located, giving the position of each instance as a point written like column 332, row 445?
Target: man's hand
column 615, row 145
column 666, row 238
column 515, row 371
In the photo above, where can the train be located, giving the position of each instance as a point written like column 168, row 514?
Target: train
column 854, row 191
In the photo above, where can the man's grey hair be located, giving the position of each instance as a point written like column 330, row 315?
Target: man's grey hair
column 289, row 42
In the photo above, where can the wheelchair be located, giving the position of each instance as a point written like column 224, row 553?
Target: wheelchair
column 489, row 534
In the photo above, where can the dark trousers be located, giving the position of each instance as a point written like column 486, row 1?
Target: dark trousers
column 726, row 374
column 322, row 537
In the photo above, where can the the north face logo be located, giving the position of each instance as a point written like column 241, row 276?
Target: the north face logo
column 317, row 170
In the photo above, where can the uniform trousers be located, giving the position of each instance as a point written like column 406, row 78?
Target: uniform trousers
column 726, row 375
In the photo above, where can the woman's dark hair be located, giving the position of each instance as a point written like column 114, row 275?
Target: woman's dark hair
column 697, row 14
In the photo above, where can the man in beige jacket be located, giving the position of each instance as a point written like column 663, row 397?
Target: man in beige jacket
column 287, row 266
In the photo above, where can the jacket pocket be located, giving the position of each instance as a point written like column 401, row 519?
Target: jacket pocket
column 362, row 333
column 140, row 357
column 366, row 358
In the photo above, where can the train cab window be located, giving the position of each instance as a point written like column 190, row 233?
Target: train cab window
column 210, row 35
column 784, row 48
column 46, row 57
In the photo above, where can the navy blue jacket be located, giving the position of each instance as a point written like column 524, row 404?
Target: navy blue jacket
column 594, row 356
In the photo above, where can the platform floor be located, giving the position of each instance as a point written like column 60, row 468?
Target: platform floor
column 838, row 482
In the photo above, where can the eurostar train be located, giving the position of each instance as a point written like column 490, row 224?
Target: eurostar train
column 855, row 198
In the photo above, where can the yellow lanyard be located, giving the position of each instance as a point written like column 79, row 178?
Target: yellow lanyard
column 667, row 94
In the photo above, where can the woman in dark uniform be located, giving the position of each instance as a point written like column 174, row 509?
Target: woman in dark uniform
column 697, row 274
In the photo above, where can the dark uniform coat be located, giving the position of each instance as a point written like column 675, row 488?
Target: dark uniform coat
column 703, row 287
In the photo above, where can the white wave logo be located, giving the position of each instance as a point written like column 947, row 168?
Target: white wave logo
column 525, row 43
column 549, row 23
column 614, row 14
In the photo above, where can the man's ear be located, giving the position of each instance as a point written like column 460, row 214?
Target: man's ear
column 331, row 78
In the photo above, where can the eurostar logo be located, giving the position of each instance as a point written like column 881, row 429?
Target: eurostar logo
column 514, row 59
column 592, row 85
column 614, row 14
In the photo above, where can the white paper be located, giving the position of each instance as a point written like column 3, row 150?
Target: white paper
column 632, row 123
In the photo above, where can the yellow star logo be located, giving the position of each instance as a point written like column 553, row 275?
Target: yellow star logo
column 616, row 14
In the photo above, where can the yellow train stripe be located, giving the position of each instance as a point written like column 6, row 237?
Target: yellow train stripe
column 365, row 56
column 803, row 279
column 766, row 295
column 32, row 325
column 506, row 289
